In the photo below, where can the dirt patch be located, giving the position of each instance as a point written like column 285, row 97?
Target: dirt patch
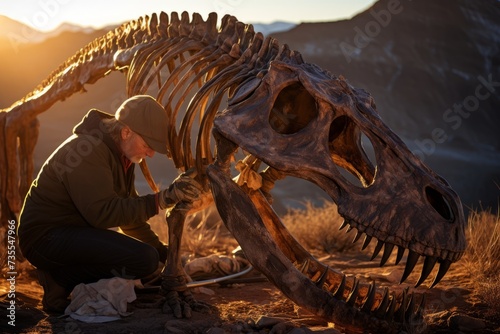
column 258, row 307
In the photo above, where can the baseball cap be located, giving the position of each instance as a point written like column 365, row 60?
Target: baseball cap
column 146, row 117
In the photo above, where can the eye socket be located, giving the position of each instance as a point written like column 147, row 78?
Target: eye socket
column 439, row 203
column 339, row 124
column 293, row 109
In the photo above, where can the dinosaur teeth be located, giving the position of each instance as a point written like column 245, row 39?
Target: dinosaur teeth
column 388, row 247
column 409, row 312
column 401, row 311
column 401, row 251
column 370, row 298
column 353, row 294
column 321, row 280
column 389, row 315
column 344, row 224
column 429, row 263
column 366, row 242
column 410, row 264
column 377, row 249
column 415, row 313
column 444, row 265
column 421, row 307
column 304, row 268
column 381, row 309
column 356, row 238
column 339, row 294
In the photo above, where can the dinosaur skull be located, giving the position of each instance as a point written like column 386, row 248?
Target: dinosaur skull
column 301, row 120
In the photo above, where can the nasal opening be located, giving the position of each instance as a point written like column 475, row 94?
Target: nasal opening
column 293, row 110
column 439, row 203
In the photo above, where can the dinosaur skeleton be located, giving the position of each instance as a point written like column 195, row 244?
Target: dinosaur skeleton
column 290, row 118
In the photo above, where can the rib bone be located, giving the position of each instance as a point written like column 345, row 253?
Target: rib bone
column 253, row 94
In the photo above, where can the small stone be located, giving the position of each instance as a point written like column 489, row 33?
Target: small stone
column 438, row 319
column 238, row 328
column 266, row 322
column 465, row 323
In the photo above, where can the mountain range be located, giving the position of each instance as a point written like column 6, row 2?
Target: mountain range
column 433, row 68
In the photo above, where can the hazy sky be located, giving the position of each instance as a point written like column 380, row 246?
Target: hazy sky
column 48, row 14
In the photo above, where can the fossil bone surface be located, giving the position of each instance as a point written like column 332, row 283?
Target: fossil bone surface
column 229, row 90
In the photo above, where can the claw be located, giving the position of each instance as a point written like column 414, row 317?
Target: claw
column 174, row 304
column 182, row 304
column 203, row 307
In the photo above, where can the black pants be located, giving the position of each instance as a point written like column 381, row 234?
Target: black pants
column 74, row 255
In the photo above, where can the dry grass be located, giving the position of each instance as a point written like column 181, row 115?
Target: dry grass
column 316, row 228
column 204, row 234
column 482, row 257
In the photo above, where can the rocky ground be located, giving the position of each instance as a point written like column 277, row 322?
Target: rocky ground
column 258, row 307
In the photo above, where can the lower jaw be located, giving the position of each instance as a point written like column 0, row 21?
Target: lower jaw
column 322, row 290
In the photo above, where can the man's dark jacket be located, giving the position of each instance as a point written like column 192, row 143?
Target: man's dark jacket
column 87, row 182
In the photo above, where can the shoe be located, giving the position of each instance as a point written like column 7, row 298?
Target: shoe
column 55, row 297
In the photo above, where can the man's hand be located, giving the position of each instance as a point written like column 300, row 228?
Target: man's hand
column 184, row 188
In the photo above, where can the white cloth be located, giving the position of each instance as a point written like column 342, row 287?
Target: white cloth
column 103, row 301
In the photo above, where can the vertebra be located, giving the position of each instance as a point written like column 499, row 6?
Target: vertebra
column 292, row 116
